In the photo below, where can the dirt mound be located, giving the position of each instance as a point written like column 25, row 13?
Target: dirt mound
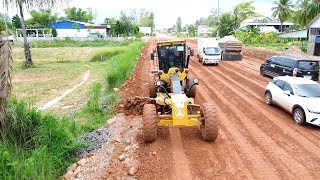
column 228, row 39
column 133, row 106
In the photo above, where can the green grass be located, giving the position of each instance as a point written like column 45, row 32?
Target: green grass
column 74, row 43
column 37, row 145
column 108, row 53
column 118, row 69
column 40, row 145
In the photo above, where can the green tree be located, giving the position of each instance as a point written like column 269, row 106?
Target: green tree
column 42, row 18
column 16, row 22
column 179, row 24
column 305, row 11
column 282, row 10
column 146, row 19
column 226, row 24
column 54, row 31
column 192, row 30
column 243, row 11
column 79, row 14
column 21, row 5
column 213, row 18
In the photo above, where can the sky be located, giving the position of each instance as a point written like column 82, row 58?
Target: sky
column 166, row 11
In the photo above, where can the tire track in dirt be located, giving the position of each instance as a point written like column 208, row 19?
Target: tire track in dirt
column 308, row 135
column 235, row 109
column 259, row 96
column 258, row 163
column 262, row 140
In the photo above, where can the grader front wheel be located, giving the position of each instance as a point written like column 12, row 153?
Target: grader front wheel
column 149, row 123
column 209, row 126
column 152, row 87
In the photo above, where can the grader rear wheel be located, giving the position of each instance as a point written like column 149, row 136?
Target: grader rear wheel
column 152, row 87
column 149, row 123
column 209, row 126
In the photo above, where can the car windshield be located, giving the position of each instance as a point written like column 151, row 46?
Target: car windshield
column 308, row 90
column 308, row 65
column 212, row 51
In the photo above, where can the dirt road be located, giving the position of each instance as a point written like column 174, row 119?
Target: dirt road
column 256, row 141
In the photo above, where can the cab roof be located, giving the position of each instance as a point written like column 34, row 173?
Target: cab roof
column 295, row 80
column 294, row 58
column 171, row 42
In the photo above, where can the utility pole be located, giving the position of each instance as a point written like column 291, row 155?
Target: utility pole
column 218, row 8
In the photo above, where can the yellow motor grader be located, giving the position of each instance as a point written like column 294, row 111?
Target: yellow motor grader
column 173, row 91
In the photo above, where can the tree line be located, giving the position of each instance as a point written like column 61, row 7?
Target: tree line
column 225, row 23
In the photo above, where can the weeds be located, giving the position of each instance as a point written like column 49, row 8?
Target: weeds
column 36, row 145
column 108, row 53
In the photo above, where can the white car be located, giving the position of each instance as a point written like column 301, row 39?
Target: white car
column 299, row 96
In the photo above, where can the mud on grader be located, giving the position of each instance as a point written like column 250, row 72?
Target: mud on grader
column 174, row 90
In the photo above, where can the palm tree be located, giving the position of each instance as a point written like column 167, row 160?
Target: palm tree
column 5, row 82
column 28, row 4
column 306, row 10
column 282, row 10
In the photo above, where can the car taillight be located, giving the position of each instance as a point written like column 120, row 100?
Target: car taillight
column 295, row 72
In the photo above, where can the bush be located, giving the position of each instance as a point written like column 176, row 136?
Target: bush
column 36, row 145
column 54, row 31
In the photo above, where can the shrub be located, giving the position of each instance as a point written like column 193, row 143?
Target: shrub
column 54, row 31
column 36, row 145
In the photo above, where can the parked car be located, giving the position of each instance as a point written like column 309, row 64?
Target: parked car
column 285, row 65
column 299, row 96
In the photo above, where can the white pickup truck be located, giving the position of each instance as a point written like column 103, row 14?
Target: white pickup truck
column 208, row 51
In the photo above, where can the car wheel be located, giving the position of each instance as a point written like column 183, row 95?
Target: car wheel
column 268, row 98
column 262, row 72
column 299, row 116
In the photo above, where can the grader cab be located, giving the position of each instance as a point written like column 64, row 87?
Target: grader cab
column 173, row 91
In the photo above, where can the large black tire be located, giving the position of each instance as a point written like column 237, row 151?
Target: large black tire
column 209, row 126
column 149, row 123
column 193, row 91
column 299, row 116
column 268, row 98
column 262, row 72
column 151, row 86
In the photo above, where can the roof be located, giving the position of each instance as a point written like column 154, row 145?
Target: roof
column 295, row 58
column 313, row 20
column 295, row 80
column 168, row 42
column 78, row 22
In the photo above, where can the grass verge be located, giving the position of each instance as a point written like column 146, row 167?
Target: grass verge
column 102, row 99
column 41, row 145
column 74, row 43
column 36, row 145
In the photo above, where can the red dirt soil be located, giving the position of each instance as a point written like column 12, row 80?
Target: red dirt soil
column 255, row 141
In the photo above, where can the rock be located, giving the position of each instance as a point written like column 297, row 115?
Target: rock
column 122, row 157
column 89, row 155
column 81, row 162
column 133, row 171
column 72, row 167
column 68, row 175
column 121, row 106
column 127, row 148
column 77, row 171
column 111, row 121
column 154, row 153
column 115, row 89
